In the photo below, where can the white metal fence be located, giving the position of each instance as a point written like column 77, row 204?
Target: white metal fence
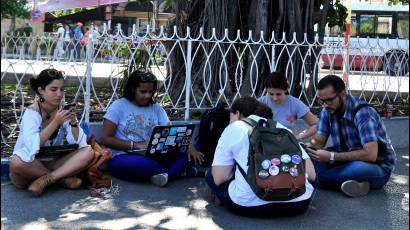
column 197, row 70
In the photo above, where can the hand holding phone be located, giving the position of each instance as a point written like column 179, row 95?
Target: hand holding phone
column 68, row 106
column 307, row 147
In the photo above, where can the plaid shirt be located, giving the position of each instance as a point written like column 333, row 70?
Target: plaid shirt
column 365, row 127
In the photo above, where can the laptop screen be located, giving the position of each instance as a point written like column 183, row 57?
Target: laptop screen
column 167, row 142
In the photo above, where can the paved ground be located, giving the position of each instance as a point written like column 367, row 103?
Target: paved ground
column 183, row 204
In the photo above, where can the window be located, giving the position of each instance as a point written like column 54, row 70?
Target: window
column 384, row 25
column 367, row 25
column 403, row 26
column 353, row 25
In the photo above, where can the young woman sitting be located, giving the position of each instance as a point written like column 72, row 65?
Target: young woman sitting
column 128, row 125
column 46, row 123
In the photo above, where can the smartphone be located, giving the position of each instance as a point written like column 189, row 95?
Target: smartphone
column 68, row 106
column 305, row 147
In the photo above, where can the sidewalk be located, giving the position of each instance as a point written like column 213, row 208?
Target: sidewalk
column 184, row 204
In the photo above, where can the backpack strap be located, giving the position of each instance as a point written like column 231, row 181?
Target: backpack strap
column 250, row 122
column 241, row 170
column 272, row 123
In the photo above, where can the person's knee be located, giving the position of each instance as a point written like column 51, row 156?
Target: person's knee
column 87, row 154
column 17, row 165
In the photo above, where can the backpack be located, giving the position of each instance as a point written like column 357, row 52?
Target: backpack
column 276, row 168
column 212, row 124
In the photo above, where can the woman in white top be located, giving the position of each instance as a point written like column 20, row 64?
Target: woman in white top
column 46, row 123
column 227, row 182
column 286, row 108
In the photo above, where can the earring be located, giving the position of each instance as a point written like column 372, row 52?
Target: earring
column 41, row 99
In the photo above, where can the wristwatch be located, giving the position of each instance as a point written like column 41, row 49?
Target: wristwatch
column 332, row 157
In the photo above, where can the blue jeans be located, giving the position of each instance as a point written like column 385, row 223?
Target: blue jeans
column 332, row 176
column 134, row 167
column 267, row 210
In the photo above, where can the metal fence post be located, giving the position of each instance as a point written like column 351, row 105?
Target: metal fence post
column 188, row 69
column 87, row 97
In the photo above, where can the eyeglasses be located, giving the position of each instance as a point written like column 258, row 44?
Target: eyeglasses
column 327, row 101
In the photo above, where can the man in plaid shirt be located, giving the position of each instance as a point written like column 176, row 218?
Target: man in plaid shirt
column 362, row 157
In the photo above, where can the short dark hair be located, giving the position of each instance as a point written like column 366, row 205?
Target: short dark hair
column 45, row 77
column 134, row 80
column 276, row 80
column 336, row 82
column 245, row 105
column 263, row 110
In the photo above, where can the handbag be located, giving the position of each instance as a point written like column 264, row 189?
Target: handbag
column 95, row 176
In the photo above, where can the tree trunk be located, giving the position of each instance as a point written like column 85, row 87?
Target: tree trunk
column 256, row 64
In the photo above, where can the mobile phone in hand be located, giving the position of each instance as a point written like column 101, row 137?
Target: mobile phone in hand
column 68, row 106
column 305, row 146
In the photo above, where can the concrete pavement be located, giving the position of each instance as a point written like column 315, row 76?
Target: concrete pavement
column 184, row 204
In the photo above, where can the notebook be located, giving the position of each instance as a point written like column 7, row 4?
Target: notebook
column 167, row 142
column 57, row 150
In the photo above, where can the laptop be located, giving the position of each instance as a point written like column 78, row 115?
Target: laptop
column 167, row 143
column 56, row 150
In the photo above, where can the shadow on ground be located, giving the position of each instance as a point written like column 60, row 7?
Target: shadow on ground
column 185, row 204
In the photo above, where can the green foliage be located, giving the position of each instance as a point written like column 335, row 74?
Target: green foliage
column 60, row 13
column 14, row 8
column 395, row 2
column 337, row 15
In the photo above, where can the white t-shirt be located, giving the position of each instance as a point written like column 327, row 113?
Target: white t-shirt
column 28, row 141
column 288, row 112
column 60, row 32
column 234, row 146
column 135, row 122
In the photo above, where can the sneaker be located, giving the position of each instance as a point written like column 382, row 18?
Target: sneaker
column 190, row 171
column 160, row 179
column 353, row 188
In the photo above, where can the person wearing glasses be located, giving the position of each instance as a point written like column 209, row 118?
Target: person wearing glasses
column 362, row 157
column 286, row 108
column 47, row 123
column 128, row 124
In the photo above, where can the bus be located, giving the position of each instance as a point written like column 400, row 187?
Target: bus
column 379, row 40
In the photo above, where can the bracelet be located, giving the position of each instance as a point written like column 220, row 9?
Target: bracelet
column 132, row 145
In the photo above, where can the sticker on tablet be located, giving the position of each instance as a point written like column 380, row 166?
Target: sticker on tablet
column 157, row 135
column 186, row 140
column 170, row 140
column 162, row 139
column 179, row 139
column 160, row 146
column 188, row 132
column 164, row 150
column 155, row 141
column 181, row 129
column 165, row 132
column 152, row 151
column 173, row 131
column 181, row 134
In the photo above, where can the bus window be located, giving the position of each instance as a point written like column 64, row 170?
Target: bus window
column 384, row 26
column 403, row 26
column 367, row 23
column 353, row 25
